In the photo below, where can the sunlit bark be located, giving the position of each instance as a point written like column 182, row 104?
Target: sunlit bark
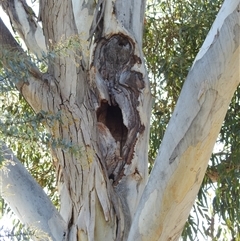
column 96, row 81
column 28, row 200
column 192, row 131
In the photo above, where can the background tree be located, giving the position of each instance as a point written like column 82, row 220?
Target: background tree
column 110, row 74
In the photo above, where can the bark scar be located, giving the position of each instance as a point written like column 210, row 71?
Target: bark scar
column 117, row 109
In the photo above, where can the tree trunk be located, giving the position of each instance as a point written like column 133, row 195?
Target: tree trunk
column 104, row 103
column 191, row 133
column 97, row 84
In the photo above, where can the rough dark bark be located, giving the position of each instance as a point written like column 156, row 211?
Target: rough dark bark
column 118, row 100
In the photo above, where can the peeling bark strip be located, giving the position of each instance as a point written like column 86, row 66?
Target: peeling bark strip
column 24, row 21
column 118, row 90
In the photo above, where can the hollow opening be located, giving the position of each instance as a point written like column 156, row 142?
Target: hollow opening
column 111, row 117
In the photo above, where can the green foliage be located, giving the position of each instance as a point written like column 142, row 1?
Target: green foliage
column 18, row 69
column 226, row 164
column 174, row 32
column 23, row 130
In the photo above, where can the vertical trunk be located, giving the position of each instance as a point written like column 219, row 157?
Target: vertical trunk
column 105, row 107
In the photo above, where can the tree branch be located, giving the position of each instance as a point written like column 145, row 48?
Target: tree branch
column 214, row 172
column 27, row 199
column 30, row 82
column 9, row 45
column 25, row 23
column 191, row 133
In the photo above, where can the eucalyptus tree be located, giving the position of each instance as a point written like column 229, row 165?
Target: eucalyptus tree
column 174, row 33
column 93, row 96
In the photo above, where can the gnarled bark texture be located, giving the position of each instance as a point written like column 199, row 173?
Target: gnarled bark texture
column 98, row 85
column 104, row 104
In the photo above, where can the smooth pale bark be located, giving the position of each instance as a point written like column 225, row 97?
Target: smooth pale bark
column 101, row 91
column 100, row 187
column 28, row 200
column 191, row 134
column 25, row 23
